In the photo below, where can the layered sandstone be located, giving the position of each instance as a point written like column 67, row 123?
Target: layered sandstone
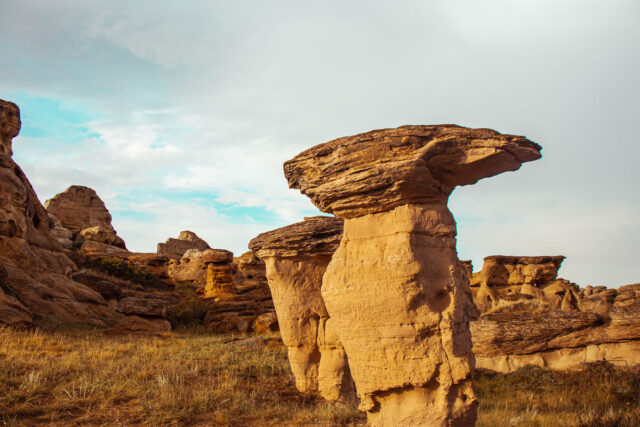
column 84, row 215
column 296, row 258
column 395, row 289
column 531, row 317
column 250, row 307
column 34, row 270
column 220, row 269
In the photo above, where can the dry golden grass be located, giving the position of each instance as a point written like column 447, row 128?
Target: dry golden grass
column 55, row 378
column 196, row 379
column 599, row 396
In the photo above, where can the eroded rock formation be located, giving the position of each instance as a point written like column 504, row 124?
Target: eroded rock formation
column 296, row 258
column 34, row 270
column 220, row 269
column 79, row 214
column 176, row 248
column 531, row 317
column 395, row 289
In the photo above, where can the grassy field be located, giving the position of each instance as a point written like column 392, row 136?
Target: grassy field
column 192, row 378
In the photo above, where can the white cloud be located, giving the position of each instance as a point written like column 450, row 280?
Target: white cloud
column 215, row 96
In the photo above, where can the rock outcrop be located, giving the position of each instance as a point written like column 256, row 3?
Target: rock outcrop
column 79, row 214
column 531, row 317
column 34, row 270
column 176, row 248
column 140, row 326
column 505, row 277
column 249, row 308
column 250, row 268
column 296, row 258
column 395, row 289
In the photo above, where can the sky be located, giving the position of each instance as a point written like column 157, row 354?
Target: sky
column 180, row 114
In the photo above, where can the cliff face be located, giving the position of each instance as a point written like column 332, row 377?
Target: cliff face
column 34, row 270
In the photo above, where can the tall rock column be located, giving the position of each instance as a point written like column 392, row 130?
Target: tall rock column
column 296, row 257
column 219, row 265
column 395, row 289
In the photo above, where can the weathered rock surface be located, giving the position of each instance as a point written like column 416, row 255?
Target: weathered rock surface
column 395, row 289
column 176, row 248
column 296, row 258
column 81, row 211
column 144, row 306
column 10, row 125
column 12, row 312
column 138, row 325
column 35, row 278
column 210, row 268
column 529, row 316
column 250, row 269
column 240, row 311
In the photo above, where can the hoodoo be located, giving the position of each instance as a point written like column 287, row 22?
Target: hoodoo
column 296, row 257
column 395, row 289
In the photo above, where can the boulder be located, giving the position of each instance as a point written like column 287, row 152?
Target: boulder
column 296, row 258
column 144, row 306
column 137, row 325
column 36, row 270
column 100, row 233
column 267, row 322
column 395, row 289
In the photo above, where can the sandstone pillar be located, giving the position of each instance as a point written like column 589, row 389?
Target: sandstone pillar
column 296, row 258
column 395, row 289
column 219, row 278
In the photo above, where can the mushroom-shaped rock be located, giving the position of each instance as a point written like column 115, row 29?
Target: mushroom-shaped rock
column 395, row 289
column 220, row 269
column 296, row 258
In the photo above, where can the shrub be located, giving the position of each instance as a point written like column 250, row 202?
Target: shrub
column 123, row 269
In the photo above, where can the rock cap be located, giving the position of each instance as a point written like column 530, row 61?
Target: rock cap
column 318, row 235
column 382, row 169
column 217, row 256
